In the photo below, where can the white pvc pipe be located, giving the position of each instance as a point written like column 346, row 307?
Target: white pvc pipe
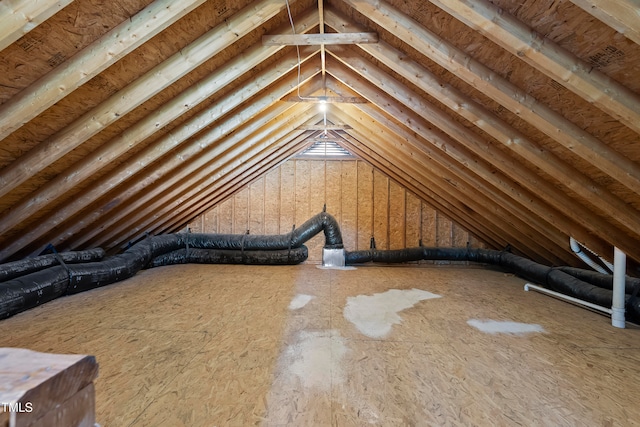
column 619, row 278
column 575, row 247
column 529, row 286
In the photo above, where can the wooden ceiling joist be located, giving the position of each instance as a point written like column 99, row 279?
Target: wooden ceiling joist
column 621, row 15
column 436, row 178
column 18, row 17
column 170, row 141
column 90, row 61
column 550, row 203
column 491, row 124
column 181, row 202
column 481, row 77
column 318, row 39
column 139, row 91
column 152, row 123
column 465, row 186
column 549, row 58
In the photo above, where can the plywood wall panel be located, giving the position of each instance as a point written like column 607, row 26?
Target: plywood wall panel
column 272, row 202
column 334, row 185
column 412, row 220
column 365, row 205
column 256, row 206
column 429, row 222
column 363, row 200
column 460, row 236
column 381, row 209
column 302, row 191
column 226, row 216
column 317, row 186
column 210, row 223
column 241, row 211
column 349, row 203
column 444, row 231
column 287, row 196
column 397, row 209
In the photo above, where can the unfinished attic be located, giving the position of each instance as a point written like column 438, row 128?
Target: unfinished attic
column 314, row 213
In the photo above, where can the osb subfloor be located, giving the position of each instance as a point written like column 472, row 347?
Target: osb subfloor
column 194, row 345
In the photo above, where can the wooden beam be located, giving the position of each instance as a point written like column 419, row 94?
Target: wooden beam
column 145, row 128
column 475, row 113
column 319, row 39
column 471, row 220
column 451, row 187
column 237, row 178
column 621, row 15
column 326, row 127
column 504, row 92
column 18, row 17
column 140, row 162
column 326, row 99
column 90, row 61
column 174, row 201
column 136, row 93
column 546, row 56
column 192, row 161
column 532, row 192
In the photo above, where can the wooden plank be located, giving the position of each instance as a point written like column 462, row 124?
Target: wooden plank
column 193, row 184
column 193, row 150
column 90, row 61
column 21, row 16
column 365, row 205
column 206, row 196
column 302, row 190
column 77, row 411
column 537, row 185
column 241, row 211
column 549, row 58
column 41, row 380
column 460, row 236
column 125, row 100
column 287, row 197
column 256, row 206
column 349, row 197
column 412, row 220
column 590, row 192
column 538, row 245
column 334, row 184
column 318, row 199
column 226, row 216
column 210, row 221
column 318, row 39
column 444, row 231
column 272, row 202
column 445, row 54
column 420, row 187
column 429, row 228
column 381, row 209
column 146, row 127
column 397, row 212
column 621, row 15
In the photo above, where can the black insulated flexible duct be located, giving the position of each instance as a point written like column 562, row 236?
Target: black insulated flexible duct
column 554, row 278
column 26, row 286
column 15, row 269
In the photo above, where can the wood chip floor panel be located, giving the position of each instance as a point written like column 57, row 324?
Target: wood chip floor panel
column 219, row 345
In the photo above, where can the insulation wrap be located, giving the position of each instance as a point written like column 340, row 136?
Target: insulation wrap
column 19, row 293
column 552, row 277
column 19, row 268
